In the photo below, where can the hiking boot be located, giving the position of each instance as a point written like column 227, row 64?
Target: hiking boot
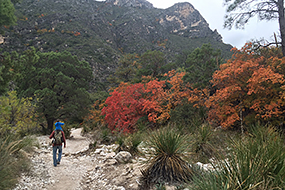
column 58, row 162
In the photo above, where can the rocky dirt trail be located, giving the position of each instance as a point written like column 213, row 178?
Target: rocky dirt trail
column 80, row 169
column 69, row 173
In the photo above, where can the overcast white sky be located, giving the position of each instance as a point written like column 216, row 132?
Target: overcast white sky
column 213, row 11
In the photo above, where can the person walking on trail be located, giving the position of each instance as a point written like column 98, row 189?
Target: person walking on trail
column 58, row 138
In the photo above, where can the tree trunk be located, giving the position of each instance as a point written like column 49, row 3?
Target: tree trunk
column 50, row 124
column 281, row 20
column 241, row 116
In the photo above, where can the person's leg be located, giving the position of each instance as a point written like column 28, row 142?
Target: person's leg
column 59, row 154
column 54, row 150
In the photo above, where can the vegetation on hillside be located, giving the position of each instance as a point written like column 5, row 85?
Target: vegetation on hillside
column 246, row 90
column 97, row 32
column 7, row 13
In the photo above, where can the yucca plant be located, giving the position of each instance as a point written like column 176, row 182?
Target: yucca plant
column 255, row 161
column 160, row 186
column 168, row 162
column 202, row 143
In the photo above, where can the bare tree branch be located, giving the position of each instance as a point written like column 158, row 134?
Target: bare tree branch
column 239, row 12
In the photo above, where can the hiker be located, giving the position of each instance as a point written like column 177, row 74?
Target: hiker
column 58, row 138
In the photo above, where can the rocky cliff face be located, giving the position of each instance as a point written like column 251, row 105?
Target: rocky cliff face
column 184, row 20
column 131, row 3
column 181, row 19
column 100, row 32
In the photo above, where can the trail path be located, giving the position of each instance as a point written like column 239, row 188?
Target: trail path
column 80, row 168
column 69, row 173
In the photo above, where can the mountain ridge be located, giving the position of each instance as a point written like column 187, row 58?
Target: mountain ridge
column 100, row 32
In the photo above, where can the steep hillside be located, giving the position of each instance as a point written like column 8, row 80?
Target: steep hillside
column 99, row 32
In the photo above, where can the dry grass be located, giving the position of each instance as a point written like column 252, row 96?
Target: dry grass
column 12, row 160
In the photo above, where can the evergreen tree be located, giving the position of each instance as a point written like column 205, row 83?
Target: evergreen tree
column 151, row 63
column 58, row 82
column 126, row 70
column 200, row 66
column 8, row 70
column 7, row 11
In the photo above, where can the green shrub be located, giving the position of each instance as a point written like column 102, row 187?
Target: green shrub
column 188, row 116
column 133, row 141
column 255, row 161
column 106, row 135
column 17, row 115
column 168, row 162
column 120, row 141
column 129, row 142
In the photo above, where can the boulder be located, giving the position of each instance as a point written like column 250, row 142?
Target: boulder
column 123, row 157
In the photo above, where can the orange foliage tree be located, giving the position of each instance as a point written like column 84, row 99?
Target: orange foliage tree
column 151, row 98
column 94, row 115
column 174, row 95
column 124, row 107
column 248, row 86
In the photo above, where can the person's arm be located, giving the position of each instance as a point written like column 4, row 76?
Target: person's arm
column 64, row 141
column 51, row 135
